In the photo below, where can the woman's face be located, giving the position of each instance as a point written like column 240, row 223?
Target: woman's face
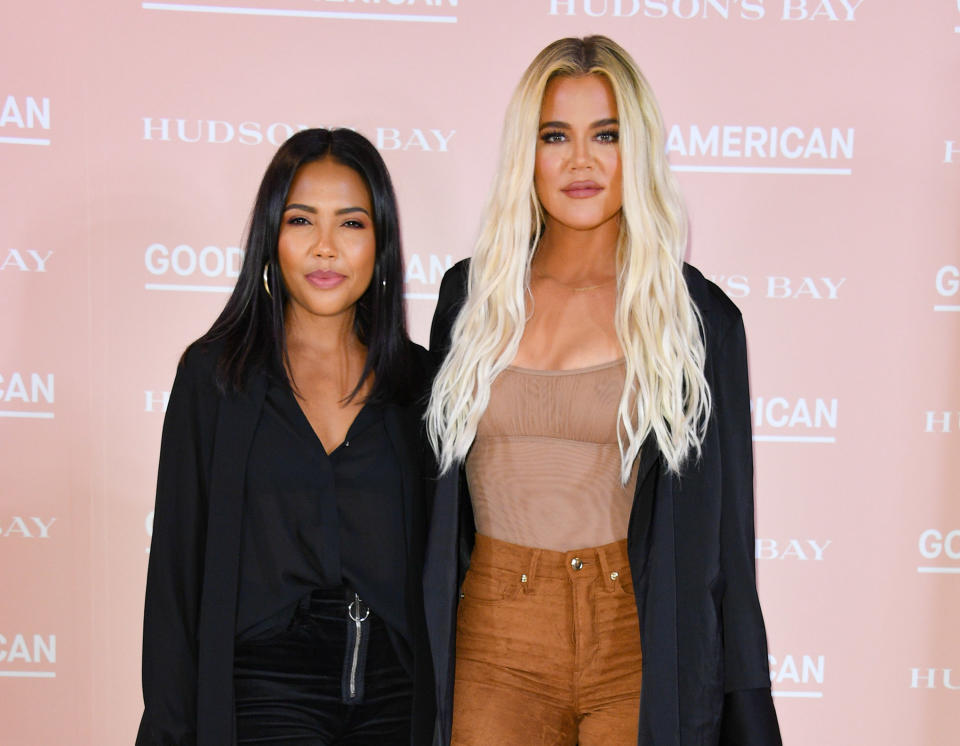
column 577, row 173
column 327, row 246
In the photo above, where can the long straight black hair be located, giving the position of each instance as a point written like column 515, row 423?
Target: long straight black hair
column 251, row 325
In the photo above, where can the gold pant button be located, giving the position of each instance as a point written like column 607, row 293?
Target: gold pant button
column 523, row 578
column 614, row 575
column 576, row 563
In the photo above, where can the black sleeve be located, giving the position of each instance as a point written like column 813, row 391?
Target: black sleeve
column 749, row 718
column 175, row 568
column 453, row 292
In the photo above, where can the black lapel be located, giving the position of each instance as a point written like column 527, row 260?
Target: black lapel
column 651, row 545
column 236, row 422
column 403, row 437
column 440, row 583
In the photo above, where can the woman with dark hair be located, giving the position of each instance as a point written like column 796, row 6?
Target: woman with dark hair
column 284, row 600
column 592, row 421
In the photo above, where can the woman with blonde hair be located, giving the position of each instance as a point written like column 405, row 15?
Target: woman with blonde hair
column 591, row 420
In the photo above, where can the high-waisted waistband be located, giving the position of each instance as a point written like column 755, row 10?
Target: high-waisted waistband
column 608, row 561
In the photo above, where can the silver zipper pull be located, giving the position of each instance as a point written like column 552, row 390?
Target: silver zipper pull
column 358, row 612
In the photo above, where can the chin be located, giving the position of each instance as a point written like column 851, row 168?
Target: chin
column 582, row 220
column 584, row 224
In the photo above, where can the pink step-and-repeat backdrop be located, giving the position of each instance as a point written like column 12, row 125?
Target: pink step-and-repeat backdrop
column 818, row 145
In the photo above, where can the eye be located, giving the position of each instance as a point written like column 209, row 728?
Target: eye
column 608, row 136
column 297, row 220
column 352, row 223
column 553, row 136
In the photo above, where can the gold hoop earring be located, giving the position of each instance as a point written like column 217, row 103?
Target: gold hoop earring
column 266, row 279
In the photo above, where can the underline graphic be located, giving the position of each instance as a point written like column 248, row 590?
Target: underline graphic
column 29, row 674
column 421, row 296
column 763, row 170
column 795, row 438
column 25, row 140
column 292, row 13
column 190, row 288
column 27, row 415
column 946, row 308
column 798, row 695
column 940, row 570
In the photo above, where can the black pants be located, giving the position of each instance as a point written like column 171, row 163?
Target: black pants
column 294, row 686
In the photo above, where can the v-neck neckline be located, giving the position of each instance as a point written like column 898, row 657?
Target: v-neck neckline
column 305, row 421
column 351, row 430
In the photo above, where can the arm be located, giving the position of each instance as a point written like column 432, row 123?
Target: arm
column 175, row 569
column 452, row 296
column 749, row 718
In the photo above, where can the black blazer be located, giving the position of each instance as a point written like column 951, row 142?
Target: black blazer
column 189, row 617
column 690, row 539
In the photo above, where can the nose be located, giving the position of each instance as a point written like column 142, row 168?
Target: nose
column 581, row 157
column 324, row 246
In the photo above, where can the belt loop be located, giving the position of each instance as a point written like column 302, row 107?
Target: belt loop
column 531, row 572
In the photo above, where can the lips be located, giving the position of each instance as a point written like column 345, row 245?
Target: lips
column 325, row 279
column 582, row 189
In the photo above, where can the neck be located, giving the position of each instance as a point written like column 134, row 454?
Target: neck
column 577, row 257
column 316, row 337
column 325, row 354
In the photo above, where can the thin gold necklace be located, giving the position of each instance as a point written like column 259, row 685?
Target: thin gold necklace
column 571, row 287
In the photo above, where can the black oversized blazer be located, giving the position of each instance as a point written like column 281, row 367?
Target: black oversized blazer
column 189, row 618
column 690, row 541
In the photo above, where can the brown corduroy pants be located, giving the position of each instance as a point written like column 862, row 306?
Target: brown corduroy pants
column 548, row 648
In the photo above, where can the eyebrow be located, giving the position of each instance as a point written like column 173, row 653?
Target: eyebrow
column 564, row 125
column 313, row 210
column 347, row 210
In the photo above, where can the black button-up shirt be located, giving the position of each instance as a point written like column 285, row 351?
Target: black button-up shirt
column 317, row 520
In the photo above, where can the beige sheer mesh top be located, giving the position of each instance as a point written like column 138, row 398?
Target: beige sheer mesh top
column 544, row 469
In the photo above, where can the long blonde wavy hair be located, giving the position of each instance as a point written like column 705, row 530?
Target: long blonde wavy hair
column 656, row 322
